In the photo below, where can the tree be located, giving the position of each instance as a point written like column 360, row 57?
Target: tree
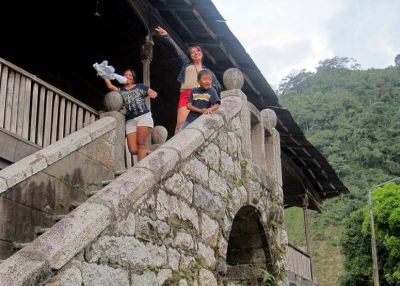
column 397, row 61
column 387, row 211
column 294, row 82
column 357, row 251
column 338, row 63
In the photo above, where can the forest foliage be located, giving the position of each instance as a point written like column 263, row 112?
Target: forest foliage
column 353, row 117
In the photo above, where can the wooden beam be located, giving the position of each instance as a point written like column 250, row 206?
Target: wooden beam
column 185, row 27
column 204, row 24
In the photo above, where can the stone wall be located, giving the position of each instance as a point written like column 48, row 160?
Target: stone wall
column 176, row 217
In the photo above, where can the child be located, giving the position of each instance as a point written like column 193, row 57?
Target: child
column 138, row 117
column 203, row 99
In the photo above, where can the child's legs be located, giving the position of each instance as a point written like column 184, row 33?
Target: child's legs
column 181, row 117
column 143, row 133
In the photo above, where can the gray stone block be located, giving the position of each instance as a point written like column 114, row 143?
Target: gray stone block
column 64, row 147
column 122, row 193
column 95, row 275
column 99, row 127
column 185, row 142
column 70, row 235
column 161, row 162
column 230, row 107
column 22, row 169
column 3, row 185
column 207, row 124
column 24, row 268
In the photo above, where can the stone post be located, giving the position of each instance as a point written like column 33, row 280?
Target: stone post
column 272, row 146
column 113, row 104
column 233, row 82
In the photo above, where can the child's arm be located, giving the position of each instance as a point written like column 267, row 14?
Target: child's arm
column 110, row 86
column 151, row 93
column 190, row 106
column 211, row 109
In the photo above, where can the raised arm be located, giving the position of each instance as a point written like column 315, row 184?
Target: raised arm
column 181, row 54
column 110, row 86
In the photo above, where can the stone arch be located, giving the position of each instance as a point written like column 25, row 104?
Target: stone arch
column 248, row 249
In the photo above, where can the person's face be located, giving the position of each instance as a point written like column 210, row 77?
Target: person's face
column 196, row 54
column 205, row 81
column 129, row 76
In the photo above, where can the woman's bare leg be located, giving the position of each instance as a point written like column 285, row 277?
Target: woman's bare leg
column 182, row 114
column 143, row 133
column 132, row 143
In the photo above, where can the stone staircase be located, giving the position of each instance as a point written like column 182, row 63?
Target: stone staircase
column 55, row 216
column 40, row 190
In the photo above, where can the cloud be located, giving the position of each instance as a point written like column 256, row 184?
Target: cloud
column 282, row 35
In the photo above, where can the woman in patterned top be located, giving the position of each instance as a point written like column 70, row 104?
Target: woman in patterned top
column 138, row 117
column 187, row 76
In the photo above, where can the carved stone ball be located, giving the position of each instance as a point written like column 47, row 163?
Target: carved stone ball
column 269, row 117
column 233, row 79
column 159, row 134
column 113, row 101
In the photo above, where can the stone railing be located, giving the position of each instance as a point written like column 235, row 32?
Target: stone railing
column 50, row 181
column 169, row 218
column 36, row 110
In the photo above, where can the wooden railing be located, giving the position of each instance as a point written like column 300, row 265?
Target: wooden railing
column 36, row 110
column 299, row 262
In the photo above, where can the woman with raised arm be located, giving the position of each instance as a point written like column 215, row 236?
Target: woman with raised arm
column 187, row 77
column 139, row 121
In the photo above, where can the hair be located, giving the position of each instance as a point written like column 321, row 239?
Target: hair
column 194, row 47
column 133, row 73
column 204, row 72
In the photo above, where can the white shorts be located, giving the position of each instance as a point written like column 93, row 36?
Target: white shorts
column 141, row 120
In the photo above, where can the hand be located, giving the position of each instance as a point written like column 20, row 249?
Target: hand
column 208, row 111
column 152, row 94
column 161, row 31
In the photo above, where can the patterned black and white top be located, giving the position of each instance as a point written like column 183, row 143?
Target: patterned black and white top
column 134, row 100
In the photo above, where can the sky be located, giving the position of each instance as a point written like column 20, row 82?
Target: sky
column 286, row 35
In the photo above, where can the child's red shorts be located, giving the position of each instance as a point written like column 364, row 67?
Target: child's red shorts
column 184, row 97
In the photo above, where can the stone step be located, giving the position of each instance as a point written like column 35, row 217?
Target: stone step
column 41, row 230
column 91, row 193
column 106, row 182
column 74, row 204
column 19, row 245
column 58, row 217
column 118, row 173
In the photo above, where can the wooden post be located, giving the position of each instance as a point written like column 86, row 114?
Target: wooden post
column 375, row 270
column 306, row 231
column 146, row 54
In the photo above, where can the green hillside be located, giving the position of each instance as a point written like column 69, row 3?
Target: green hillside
column 353, row 117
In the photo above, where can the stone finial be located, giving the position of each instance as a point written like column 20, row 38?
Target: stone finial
column 269, row 118
column 233, row 79
column 159, row 135
column 113, row 101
